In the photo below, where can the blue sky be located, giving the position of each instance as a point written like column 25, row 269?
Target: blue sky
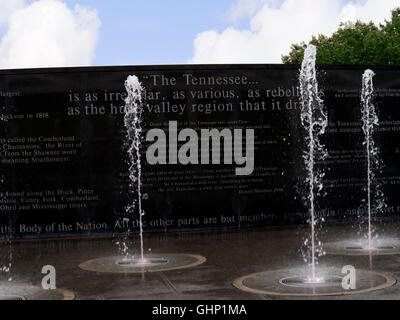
column 53, row 33
column 161, row 31
column 153, row 31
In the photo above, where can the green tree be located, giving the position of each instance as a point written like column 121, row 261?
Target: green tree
column 355, row 43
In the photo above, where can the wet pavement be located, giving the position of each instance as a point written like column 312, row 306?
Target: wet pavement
column 229, row 255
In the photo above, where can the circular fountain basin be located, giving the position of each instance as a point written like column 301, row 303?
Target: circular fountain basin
column 18, row 292
column 362, row 248
column 294, row 282
column 150, row 263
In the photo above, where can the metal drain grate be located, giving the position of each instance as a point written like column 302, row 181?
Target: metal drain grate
column 300, row 282
column 135, row 262
column 376, row 248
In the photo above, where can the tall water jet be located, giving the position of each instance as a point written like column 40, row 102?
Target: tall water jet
column 370, row 121
column 153, row 262
column 314, row 120
column 132, row 121
column 374, row 201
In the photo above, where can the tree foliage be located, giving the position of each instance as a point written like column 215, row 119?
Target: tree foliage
column 355, row 43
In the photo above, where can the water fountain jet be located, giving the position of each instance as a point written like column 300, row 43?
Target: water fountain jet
column 132, row 121
column 375, row 200
column 314, row 120
column 327, row 280
column 127, row 263
column 370, row 121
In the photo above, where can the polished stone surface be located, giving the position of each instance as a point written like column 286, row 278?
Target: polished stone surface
column 230, row 255
column 14, row 291
column 357, row 247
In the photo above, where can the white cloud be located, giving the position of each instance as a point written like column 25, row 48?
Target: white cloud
column 372, row 10
column 273, row 28
column 7, row 8
column 244, row 8
column 47, row 33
